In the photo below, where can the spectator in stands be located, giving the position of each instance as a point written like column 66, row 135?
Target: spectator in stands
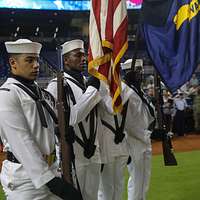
column 180, row 105
column 151, row 95
column 150, row 84
column 194, row 80
column 196, row 110
column 185, row 88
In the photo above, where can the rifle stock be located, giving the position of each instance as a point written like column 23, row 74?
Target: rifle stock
column 169, row 158
column 63, row 124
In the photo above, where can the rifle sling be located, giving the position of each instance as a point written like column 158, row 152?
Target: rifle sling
column 71, row 94
column 118, row 130
column 106, row 124
column 124, row 112
column 40, row 103
column 93, row 130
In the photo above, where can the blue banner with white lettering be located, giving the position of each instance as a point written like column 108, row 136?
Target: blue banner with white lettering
column 174, row 46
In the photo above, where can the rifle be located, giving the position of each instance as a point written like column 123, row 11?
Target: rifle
column 169, row 158
column 63, row 122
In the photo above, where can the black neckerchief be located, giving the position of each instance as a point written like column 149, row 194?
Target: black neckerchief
column 22, row 80
column 28, row 83
column 137, row 85
column 77, row 75
column 35, row 92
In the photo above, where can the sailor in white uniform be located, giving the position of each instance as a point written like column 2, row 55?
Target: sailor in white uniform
column 27, row 130
column 140, row 116
column 86, row 124
column 115, row 148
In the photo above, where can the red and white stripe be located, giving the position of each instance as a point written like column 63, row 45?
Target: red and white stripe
column 108, row 43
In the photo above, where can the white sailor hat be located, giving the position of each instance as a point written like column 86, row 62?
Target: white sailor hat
column 23, row 46
column 71, row 45
column 127, row 64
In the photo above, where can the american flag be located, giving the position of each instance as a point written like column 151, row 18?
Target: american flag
column 108, row 42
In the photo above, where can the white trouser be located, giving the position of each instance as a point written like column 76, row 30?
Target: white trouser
column 88, row 177
column 112, row 179
column 19, row 186
column 139, row 169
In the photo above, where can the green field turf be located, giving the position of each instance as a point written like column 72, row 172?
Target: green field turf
column 1, row 194
column 173, row 183
column 176, row 183
column 180, row 182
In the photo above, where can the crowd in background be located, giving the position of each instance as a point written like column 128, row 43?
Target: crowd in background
column 181, row 111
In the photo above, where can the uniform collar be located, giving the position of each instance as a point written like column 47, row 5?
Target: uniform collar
column 22, row 80
column 77, row 75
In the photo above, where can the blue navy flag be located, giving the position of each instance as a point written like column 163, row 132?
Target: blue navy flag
column 173, row 41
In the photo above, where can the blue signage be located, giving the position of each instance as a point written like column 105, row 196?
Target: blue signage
column 53, row 4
